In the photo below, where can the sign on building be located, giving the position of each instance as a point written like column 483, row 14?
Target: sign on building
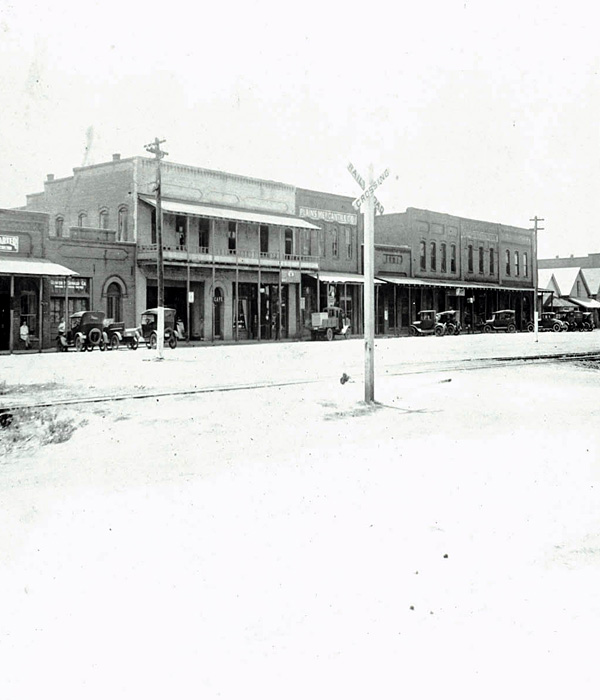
column 9, row 244
column 290, row 276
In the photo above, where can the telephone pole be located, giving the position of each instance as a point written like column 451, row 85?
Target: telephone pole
column 155, row 149
column 536, row 220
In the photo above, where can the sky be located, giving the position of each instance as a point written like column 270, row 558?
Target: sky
column 480, row 109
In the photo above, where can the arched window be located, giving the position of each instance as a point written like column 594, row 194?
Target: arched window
column 481, row 260
column 114, row 302
column 492, row 262
column 423, row 255
column 289, row 241
column 122, row 224
column 516, row 263
column 58, row 226
column 508, row 262
column 452, row 258
column 335, row 243
column 470, row 258
column 433, row 255
column 443, row 257
column 82, row 219
column 525, row 266
column 103, row 219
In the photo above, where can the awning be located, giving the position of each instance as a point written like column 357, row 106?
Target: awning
column 452, row 284
column 208, row 212
column 34, row 267
column 586, row 303
column 339, row 277
column 558, row 303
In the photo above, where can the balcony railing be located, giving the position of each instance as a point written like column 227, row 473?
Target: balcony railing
column 196, row 254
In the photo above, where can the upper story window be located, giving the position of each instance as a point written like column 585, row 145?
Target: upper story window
column 423, row 255
column 264, row 238
column 153, row 226
column 122, row 223
column 58, row 226
column 335, row 243
column 232, row 236
column 348, row 243
column 443, row 257
column 578, row 289
column 516, row 263
column 433, row 255
column 289, row 241
column 203, row 233
column 322, row 243
column 508, row 262
column 305, row 242
column 452, row 258
column 82, row 219
column 103, row 218
column 470, row 258
column 525, row 265
column 181, row 230
column 481, row 259
column 492, row 262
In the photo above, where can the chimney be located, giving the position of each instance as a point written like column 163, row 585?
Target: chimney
column 116, row 156
column 50, row 177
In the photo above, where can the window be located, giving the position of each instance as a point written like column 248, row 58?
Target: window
column 305, row 242
column 82, row 219
column 433, row 255
column 103, row 219
column 289, row 241
column 578, row 289
column 443, row 257
column 508, row 262
column 525, row 266
column 481, row 260
column 153, row 227
column 322, row 243
column 203, row 234
column 423, row 255
column 492, row 262
column 263, row 232
column 114, row 302
column 470, row 258
column 335, row 242
column 232, row 239
column 348, row 243
column 58, row 226
column 29, row 310
column 452, row 258
column 516, row 263
column 181, row 230
column 122, row 224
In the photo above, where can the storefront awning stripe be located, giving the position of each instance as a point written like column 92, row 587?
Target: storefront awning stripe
column 252, row 217
column 34, row 267
column 451, row 284
column 586, row 303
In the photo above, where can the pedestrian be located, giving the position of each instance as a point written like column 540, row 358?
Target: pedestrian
column 24, row 333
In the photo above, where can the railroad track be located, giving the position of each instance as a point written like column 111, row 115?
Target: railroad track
column 8, row 406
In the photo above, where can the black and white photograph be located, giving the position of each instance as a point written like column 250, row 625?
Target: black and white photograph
column 299, row 350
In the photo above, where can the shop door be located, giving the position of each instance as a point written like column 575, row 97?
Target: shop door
column 218, row 312
column 4, row 320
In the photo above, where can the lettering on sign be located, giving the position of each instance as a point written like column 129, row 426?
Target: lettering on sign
column 324, row 215
column 393, row 259
column 356, row 175
column 370, row 190
column 76, row 286
column 9, row 243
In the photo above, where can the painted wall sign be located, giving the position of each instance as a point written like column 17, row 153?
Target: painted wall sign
column 9, row 244
column 76, row 286
column 290, row 276
column 325, row 215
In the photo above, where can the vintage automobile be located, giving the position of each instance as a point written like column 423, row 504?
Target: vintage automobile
column 428, row 323
column 584, row 320
column 149, row 325
column 115, row 334
column 329, row 323
column 550, row 322
column 451, row 320
column 85, row 332
column 502, row 320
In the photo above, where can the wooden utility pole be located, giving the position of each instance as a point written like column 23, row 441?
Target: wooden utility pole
column 155, row 149
column 534, row 271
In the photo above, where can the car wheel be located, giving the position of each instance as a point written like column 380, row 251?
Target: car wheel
column 173, row 341
column 487, row 329
column 153, row 341
column 511, row 328
column 556, row 327
column 102, row 346
column 450, row 329
column 114, row 342
column 530, row 328
column 94, row 336
column 413, row 331
column 133, row 345
column 329, row 334
column 439, row 331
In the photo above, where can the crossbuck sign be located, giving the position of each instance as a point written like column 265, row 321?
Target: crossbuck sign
column 367, row 191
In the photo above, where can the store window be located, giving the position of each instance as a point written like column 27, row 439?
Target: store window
column 423, row 255
column 442, row 257
column 433, row 255
column 516, row 264
column 508, row 262
column 59, row 224
column 289, row 241
column 335, row 242
column 29, row 310
column 232, row 236
column 492, row 262
column 122, row 223
column 114, row 302
column 103, row 219
column 470, row 258
column 452, row 258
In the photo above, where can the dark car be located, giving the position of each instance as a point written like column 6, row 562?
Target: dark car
column 428, row 323
column 503, row 320
column 550, row 322
column 149, row 327
column 85, row 332
column 451, row 320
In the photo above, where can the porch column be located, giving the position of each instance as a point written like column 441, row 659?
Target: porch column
column 11, row 314
column 40, row 316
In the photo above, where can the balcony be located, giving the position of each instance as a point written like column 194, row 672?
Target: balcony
column 205, row 256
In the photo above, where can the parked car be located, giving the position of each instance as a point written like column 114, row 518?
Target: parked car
column 149, row 325
column 550, row 322
column 329, row 323
column 451, row 320
column 503, row 320
column 115, row 334
column 85, row 332
column 428, row 323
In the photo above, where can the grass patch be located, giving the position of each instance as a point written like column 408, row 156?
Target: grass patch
column 35, row 427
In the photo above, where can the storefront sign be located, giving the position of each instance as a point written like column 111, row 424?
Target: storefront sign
column 290, row 276
column 9, row 244
column 324, row 215
column 79, row 285
column 218, row 300
column 190, row 297
column 460, row 292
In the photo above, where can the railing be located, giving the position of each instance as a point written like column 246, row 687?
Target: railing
column 225, row 255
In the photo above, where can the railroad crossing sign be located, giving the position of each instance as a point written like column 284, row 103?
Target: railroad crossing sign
column 357, row 202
